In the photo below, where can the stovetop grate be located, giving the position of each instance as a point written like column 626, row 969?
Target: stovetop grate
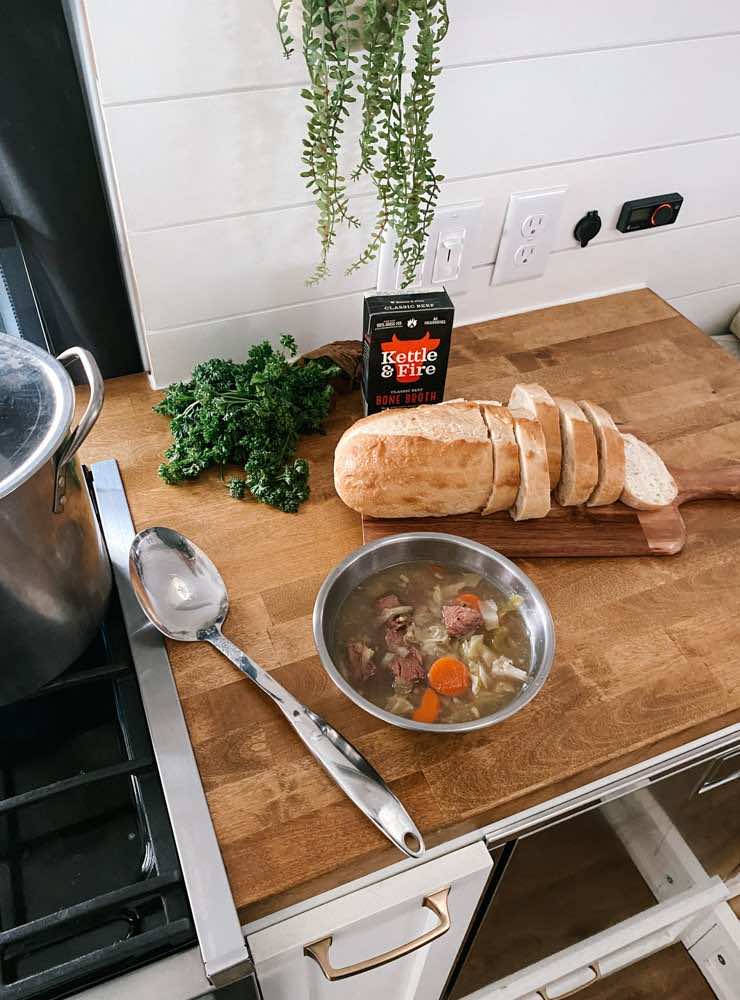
column 90, row 882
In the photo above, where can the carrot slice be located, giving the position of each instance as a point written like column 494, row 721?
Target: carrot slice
column 428, row 709
column 469, row 600
column 449, row 676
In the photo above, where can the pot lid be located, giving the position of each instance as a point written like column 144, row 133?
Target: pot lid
column 36, row 408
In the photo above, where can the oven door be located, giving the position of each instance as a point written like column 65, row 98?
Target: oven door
column 648, row 873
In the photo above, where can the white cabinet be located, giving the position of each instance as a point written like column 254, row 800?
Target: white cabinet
column 377, row 929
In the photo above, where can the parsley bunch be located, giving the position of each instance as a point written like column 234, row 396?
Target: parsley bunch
column 250, row 414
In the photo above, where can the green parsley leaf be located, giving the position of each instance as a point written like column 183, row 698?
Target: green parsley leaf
column 252, row 414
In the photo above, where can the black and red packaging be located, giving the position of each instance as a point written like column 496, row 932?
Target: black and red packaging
column 405, row 348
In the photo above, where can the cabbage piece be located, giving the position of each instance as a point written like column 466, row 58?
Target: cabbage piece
column 387, row 613
column 473, row 647
column 434, row 632
column 489, row 611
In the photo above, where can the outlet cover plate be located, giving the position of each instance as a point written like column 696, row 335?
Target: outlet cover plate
column 532, row 221
column 456, row 229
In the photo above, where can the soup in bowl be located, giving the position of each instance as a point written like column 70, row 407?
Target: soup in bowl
column 433, row 632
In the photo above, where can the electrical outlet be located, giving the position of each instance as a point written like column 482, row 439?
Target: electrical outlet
column 450, row 252
column 529, row 235
column 525, row 256
column 533, row 224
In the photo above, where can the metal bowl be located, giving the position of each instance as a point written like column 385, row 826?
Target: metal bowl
column 444, row 549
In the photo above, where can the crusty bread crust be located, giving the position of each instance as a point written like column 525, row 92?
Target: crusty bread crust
column 611, row 455
column 539, row 403
column 580, row 468
column 648, row 485
column 533, row 496
column 505, row 457
column 429, row 461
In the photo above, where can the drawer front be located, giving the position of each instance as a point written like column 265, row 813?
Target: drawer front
column 580, row 966
column 395, row 939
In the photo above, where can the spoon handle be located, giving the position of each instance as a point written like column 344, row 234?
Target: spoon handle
column 355, row 775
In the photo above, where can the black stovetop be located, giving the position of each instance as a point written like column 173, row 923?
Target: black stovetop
column 90, row 884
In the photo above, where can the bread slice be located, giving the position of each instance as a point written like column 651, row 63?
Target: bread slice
column 648, row 484
column 580, row 467
column 533, row 496
column 505, row 456
column 428, row 461
column 610, row 447
column 539, row 403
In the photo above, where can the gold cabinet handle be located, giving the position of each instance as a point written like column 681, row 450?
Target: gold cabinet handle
column 572, row 993
column 437, row 902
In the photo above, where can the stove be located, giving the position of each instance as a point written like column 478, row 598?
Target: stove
column 90, row 880
column 108, row 859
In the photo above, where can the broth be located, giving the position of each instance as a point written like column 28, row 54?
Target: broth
column 433, row 642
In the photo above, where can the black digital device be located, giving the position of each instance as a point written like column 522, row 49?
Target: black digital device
column 649, row 213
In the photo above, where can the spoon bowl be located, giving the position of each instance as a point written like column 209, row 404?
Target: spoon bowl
column 177, row 585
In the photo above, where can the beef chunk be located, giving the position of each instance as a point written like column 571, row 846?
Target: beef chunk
column 409, row 668
column 361, row 661
column 394, row 634
column 460, row 620
column 389, row 601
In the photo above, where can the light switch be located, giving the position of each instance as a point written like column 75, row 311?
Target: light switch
column 448, row 261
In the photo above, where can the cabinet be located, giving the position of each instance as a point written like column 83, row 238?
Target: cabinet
column 368, row 936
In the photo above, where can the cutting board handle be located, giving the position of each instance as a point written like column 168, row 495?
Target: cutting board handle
column 708, row 484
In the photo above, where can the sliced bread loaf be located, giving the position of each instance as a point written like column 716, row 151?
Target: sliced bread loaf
column 538, row 402
column 611, row 455
column 423, row 462
column 533, row 496
column 648, row 484
column 505, row 456
column 580, row 466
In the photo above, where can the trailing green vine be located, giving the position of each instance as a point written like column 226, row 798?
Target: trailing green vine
column 395, row 138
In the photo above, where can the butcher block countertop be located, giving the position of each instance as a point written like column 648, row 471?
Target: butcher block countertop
column 648, row 649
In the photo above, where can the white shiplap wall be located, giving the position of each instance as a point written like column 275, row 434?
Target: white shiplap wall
column 202, row 124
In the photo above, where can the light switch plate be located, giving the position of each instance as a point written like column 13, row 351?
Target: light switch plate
column 529, row 235
column 450, row 252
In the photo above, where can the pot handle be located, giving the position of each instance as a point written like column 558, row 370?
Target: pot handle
column 83, row 428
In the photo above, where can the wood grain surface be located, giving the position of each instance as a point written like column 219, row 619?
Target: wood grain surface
column 648, row 649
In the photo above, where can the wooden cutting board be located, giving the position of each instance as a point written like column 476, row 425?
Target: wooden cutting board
column 615, row 530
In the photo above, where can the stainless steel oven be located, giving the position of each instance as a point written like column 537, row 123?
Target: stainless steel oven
column 634, row 886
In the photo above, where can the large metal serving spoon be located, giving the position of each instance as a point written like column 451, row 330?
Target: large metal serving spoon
column 182, row 593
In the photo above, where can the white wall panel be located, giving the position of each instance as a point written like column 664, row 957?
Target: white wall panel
column 672, row 263
column 150, row 49
column 182, row 47
column 614, row 100
column 487, row 30
column 175, row 351
column 690, row 259
column 219, row 268
column 511, row 115
column 179, row 161
column 711, row 310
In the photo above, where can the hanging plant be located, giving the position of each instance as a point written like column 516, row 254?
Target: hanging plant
column 395, row 139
